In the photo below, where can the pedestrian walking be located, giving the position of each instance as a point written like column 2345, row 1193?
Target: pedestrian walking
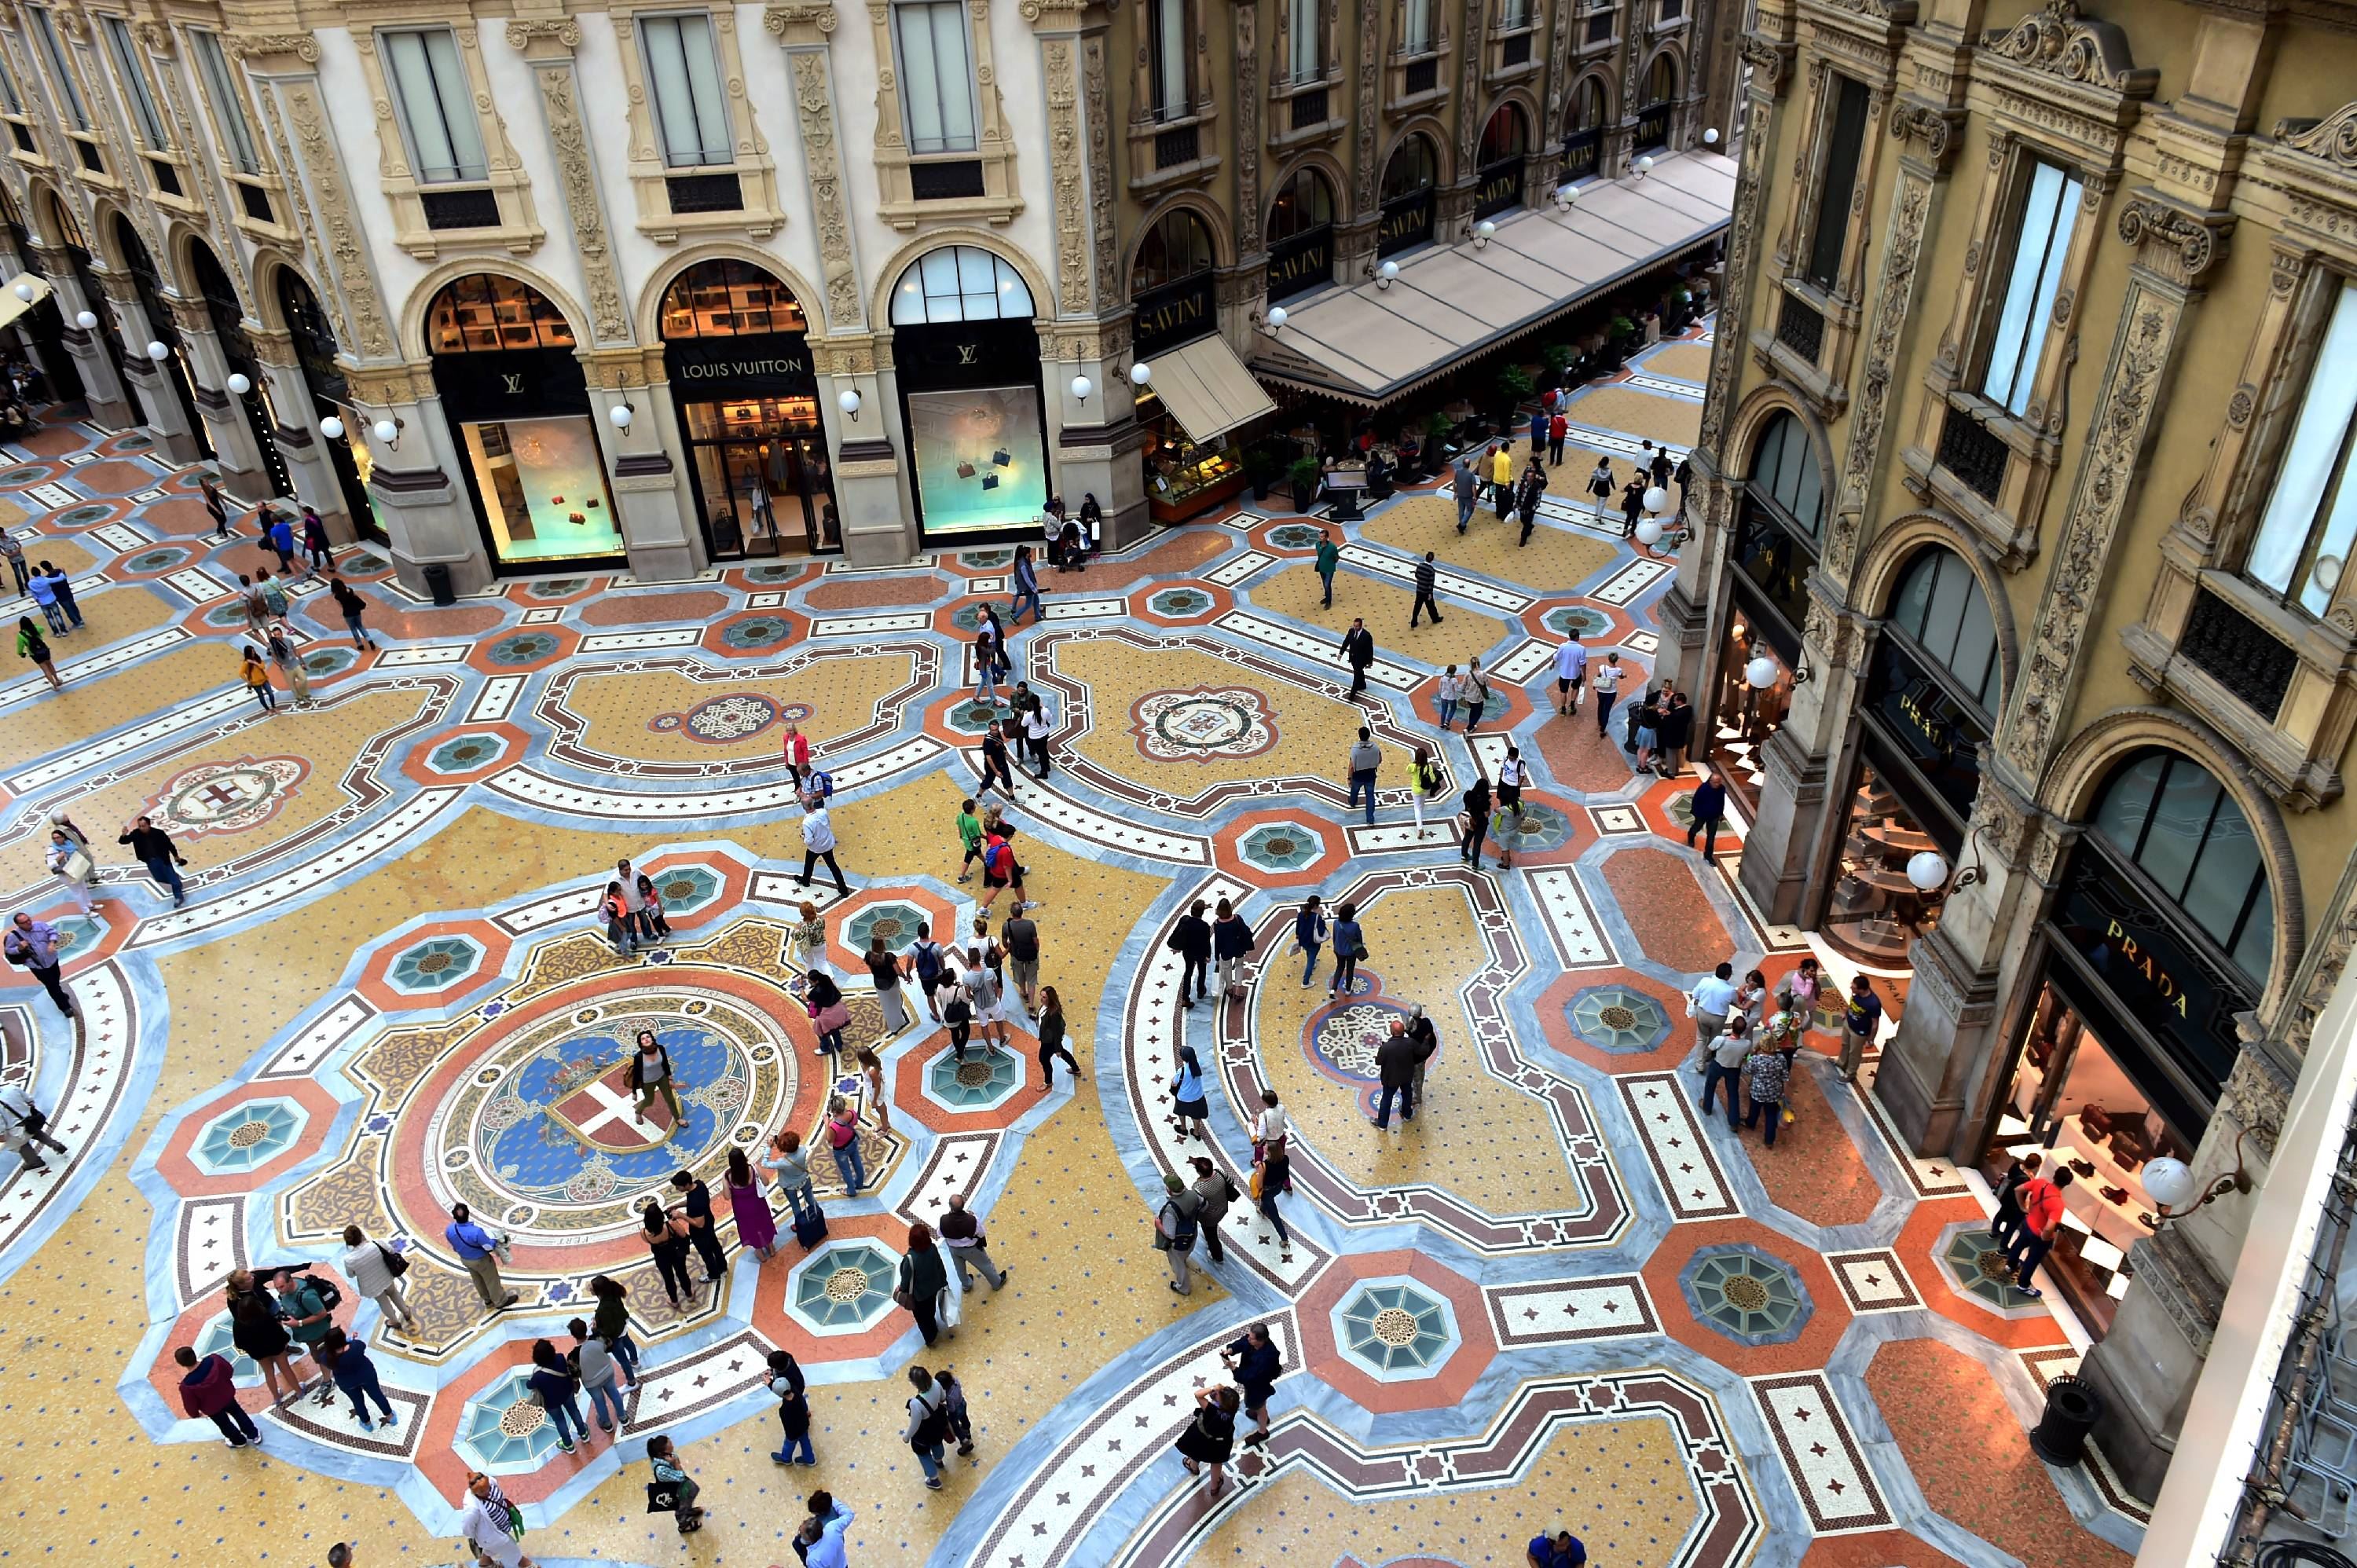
column 298, row 677
column 209, row 486
column 154, row 849
column 961, row 1418
column 1214, row 1192
column 2042, row 1221
column 23, row 1127
column 34, row 945
column 792, row 1393
column 818, row 843
column 1022, row 934
column 275, row 601
column 969, row 829
column 12, row 549
column 1026, row 588
column 1477, row 694
column 1526, row 500
column 1001, row 869
column 871, row 1072
column 924, row 1289
column 1448, row 695
column 1330, row 559
column 1358, row 650
column 32, row 647
column 1310, row 933
column 1502, row 480
column 1366, row 757
column 820, row 1536
column 1190, row 1101
column 1600, row 486
column 672, row 1490
column 478, row 1251
column 757, row 1226
column 665, row 1233
column 1255, row 1362
column 1174, row 1232
column 1659, row 468
column 1051, row 1039
column 1210, row 1438
column 843, row 1142
column 1605, row 682
column 1427, row 781
column 375, row 1270
column 985, row 993
column 492, row 1525
column 1558, row 427
column 1268, row 1123
column 1037, row 729
column 884, row 969
column 1272, row 1180
column 1421, row 1030
column 1860, row 1020
column 1427, row 578
column 1465, row 483
column 969, row 1249
column 353, row 607
column 317, row 550
column 347, row 1360
column 1512, row 774
column 695, row 1203
column 1477, row 822
column 2008, row 1217
column 1710, row 1003
column 1395, row 1061
column 1231, row 944
column 594, row 1367
column 257, row 680
column 280, row 535
column 996, row 773
column 610, row 1321
column 1571, row 672
column 1729, row 1051
column 928, row 1422
column 1191, row 940
column 1561, row 1550
column 208, row 1389
column 1632, row 505
column 652, row 1079
column 1349, row 947
column 71, row 864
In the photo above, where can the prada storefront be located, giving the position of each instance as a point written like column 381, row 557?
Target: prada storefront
column 513, row 388
column 966, row 355
column 739, row 365
column 2162, row 931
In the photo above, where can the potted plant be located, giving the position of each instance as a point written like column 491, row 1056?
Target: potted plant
column 1303, row 474
column 1263, row 465
column 1623, row 337
column 1558, row 358
column 1514, row 386
column 1438, row 431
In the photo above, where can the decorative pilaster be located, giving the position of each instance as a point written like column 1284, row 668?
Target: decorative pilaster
column 805, row 31
column 1243, row 22
column 1057, row 23
column 285, row 69
column 547, row 44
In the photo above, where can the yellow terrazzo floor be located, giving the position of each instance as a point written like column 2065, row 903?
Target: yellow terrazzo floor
column 841, row 693
column 1462, row 634
column 1555, row 560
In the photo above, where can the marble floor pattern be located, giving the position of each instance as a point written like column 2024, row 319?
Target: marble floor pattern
column 1559, row 1296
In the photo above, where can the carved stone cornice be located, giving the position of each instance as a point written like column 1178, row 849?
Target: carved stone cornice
column 2056, row 40
column 785, row 20
column 1896, row 13
column 2332, row 138
column 266, row 46
column 2182, row 246
column 1938, row 132
column 543, row 37
column 154, row 38
column 1771, row 61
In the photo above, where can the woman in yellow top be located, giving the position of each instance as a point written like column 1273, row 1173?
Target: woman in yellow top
column 1501, row 478
column 257, row 679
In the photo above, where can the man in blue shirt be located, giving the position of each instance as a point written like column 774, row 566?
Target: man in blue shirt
column 820, row 1539
column 1713, row 996
column 33, row 944
column 1561, row 1550
column 478, row 1251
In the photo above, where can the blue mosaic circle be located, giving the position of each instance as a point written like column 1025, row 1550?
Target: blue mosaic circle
column 1535, row 827
column 844, row 1287
column 965, row 617
column 762, row 631
column 1978, row 1265
column 552, row 588
column 775, row 572
column 523, row 647
column 973, row 716
column 1177, row 603
column 81, row 516
column 1343, row 1040
column 79, row 934
column 988, row 560
column 324, row 661
column 1616, row 1018
column 465, row 753
column 684, row 889
column 977, row 1081
column 219, row 1338
column 361, row 563
column 132, row 444
column 895, row 923
column 1280, row 846
column 1565, row 619
column 1746, row 1293
column 229, row 612
column 1294, row 536
column 158, row 560
column 15, row 477
column 248, row 1136
column 1394, row 1329
column 502, row 1432
column 436, row 964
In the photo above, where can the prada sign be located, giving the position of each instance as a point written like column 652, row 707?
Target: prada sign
column 772, row 364
column 1939, row 736
column 1174, row 314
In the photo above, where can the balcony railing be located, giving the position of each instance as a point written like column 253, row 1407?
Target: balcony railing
column 705, row 193
column 256, row 202
column 1599, row 28
column 1421, row 75
column 461, row 208
column 1515, row 51
column 1309, row 109
column 1801, row 327
column 945, row 182
column 1973, row 453
column 1179, row 144
column 2238, row 653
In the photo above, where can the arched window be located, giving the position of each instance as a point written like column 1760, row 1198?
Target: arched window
column 1507, row 135
column 1587, row 115
column 959, row 283
column 728, row 298
column 1784, row 474
column 1660, row 92
column 1176, row 248
column 2164, row 813
column 1662, row 81
column 1415, row 169
column 315, row 340
column 1941, row 608
column 483, row 312
column 1304, row 205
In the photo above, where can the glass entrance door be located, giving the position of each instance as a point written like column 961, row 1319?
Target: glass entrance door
column 763, row 476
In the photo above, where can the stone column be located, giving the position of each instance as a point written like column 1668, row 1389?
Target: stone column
column 110, row 401
column 871, row 496
column 236, row 453
column 421, row 497
column 167, row 419
column 1100, row 446
column 300, row 445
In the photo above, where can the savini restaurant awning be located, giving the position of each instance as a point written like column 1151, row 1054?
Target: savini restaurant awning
column 1207, row 388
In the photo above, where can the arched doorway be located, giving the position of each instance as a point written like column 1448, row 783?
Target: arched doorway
column 1170, row 283
column 1583, row 130
column 1410, row 180
column 44, row 326
column 315, row 352
column 1497, row 176
column 966, row 356
column 175, row 367
column 1930, row 703
column 735, row 351
column 2162, row 931
column 518, row 404
column 1300, row 235
column 1661, row 94
column 228, row 316
column 1779, row 522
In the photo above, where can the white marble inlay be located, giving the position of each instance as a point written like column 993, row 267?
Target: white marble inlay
column 1579, row 939
column 1589, row 1309
column 619, row 642
column 300, row 1055
column 1111, row 609
column 1322, row 648
column 430, row 653
column 1230, row 573
column 864, row 626
column 17, row 692
column 1631, row 581
column 1815, row 1445
column 196, row 585
column 1456, row 585
column 496, row 700
column 1675, row 1145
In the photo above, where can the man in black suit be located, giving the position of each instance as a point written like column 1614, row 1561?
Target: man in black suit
column 1358, row 648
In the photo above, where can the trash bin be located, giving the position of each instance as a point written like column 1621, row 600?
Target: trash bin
column 437, row 582
column 2072, row 1408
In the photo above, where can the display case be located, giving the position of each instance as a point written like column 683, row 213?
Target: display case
column 1184, row 480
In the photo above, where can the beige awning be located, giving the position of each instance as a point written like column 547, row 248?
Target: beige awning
column 1366, row 344
column 14, row 305
column 1208, row 388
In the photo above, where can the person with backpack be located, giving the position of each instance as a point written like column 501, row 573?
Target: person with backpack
column 674, row 1486
column 818, row 843
column 786, row 1384
column 985, row 993
column 1214, row 1191
column 22, row 1126
column 1310, row 933
column 375, row 1270
column 1000, row 869
column 347, row 1360
column 923, row 1286
column 1022, row 934
column 1174, row 1231
column 1349, row 947
column 1231, row 944
column 621, row 926
column 308, row 1306
column 209, row 1388
column 929, row 1423
column 925, row 962
column 594, row 1364
column 1210, row 1438
column 257, row 1330
column 1600, row 485
column 275, row 602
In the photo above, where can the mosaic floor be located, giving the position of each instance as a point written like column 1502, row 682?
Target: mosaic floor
column 1559, row 1296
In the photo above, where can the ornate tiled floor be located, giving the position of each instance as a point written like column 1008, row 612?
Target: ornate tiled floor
column 1559, row 1294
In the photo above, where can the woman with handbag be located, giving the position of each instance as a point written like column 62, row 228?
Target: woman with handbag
column 828, row 1011
column 375, row 1270
column 611, row 1322
column 667, row 1241
column 552, row 1387
column 1187, row 1094
column 1349, row 947
column 257, row 1328
column 1273, row 1178
column 842, row 1139
column 923, row 1281
column 71, row 864
column 757, row 1226
column 1210, row 1438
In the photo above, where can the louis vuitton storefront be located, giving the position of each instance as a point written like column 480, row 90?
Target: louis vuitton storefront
column 966, row 358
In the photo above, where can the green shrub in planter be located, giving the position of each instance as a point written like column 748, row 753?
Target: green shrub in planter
column 1557, row 356
column 1304, row 476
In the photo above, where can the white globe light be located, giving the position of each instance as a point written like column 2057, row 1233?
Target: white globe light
column 1927, row 870
column 1644, row 166
column 239, row 385
column 2169, row 1182
column 621, row 415
column 1649, row 533
column 1761, row 673
column 1081, row 387
column 386, row 431
column 24, row 291
column 1141, row 373
column 157, row 353
column 1710, row 138
column 848, row 401
column 332, row 428
column 1276, row 316
column 1485, row 229
column 85, row 320
column 1388, row 271
column 1657, row 499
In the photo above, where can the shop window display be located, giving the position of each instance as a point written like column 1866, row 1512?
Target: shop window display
column 544, row 488
column 1875, row 914
column 1744, row 717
